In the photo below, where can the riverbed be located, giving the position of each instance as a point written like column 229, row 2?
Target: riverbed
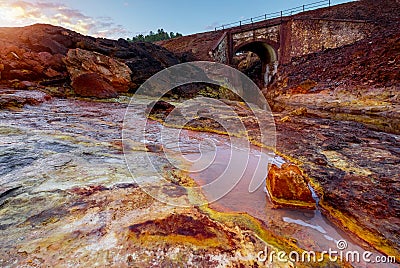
column 66, row 189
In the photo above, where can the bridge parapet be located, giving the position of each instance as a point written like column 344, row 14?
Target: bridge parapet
column 274, row 15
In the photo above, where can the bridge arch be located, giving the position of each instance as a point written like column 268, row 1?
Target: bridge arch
column 267, row 51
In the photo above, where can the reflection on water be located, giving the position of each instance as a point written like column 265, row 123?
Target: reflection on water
column 213, row 158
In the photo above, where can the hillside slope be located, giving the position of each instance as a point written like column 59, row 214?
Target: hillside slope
column 359, row 82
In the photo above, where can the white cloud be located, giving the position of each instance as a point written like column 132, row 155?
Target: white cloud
column 22, row 13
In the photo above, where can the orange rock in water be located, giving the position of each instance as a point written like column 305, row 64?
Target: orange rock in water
column 287, row 187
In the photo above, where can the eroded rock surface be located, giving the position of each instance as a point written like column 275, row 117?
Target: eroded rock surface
column 68, row 199
column 356, row 171
column 11, row 98
column 358, row 82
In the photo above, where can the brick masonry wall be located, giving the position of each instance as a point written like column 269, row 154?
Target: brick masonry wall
column 270, row 33
column 310, row 36
column 220, row 54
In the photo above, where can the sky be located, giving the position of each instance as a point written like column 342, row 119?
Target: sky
column 127, row 18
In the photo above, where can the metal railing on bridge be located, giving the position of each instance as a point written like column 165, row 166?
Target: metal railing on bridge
column 275, row 15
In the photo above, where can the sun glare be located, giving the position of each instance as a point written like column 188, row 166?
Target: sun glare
column 16, row 16
column 15, row 13
column 11, row 16
column 24, row 13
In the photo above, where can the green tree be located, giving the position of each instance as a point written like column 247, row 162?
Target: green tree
column 154, row 37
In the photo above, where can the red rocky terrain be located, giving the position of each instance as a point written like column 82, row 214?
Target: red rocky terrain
column 357, row 82
column 36, row 54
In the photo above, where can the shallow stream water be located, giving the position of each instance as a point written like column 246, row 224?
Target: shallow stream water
column 215, row 154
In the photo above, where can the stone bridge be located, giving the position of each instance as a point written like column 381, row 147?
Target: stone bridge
column 276, row 41
column 279, row 40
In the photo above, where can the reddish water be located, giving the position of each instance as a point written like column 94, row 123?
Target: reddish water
column 215, row 154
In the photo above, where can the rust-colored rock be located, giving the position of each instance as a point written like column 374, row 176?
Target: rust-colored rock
column 287, row 187
column 20, row 62
column 116, row 73
column 93, row 85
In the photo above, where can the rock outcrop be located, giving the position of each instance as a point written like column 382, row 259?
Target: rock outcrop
column 19, row 62
column 114, row 72
column 35, row 53
column 287, row 187
column 160, row 107
column 146, row 59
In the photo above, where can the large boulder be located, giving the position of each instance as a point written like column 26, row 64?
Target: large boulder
column 287, row 187
column 114, row 72
column 93, row 85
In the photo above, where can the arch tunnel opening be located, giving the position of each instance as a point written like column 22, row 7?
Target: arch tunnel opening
column 258, row 60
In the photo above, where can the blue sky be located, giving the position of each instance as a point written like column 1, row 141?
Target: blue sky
column 126, row 18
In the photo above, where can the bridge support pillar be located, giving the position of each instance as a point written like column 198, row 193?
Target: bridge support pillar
column 229, row 48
